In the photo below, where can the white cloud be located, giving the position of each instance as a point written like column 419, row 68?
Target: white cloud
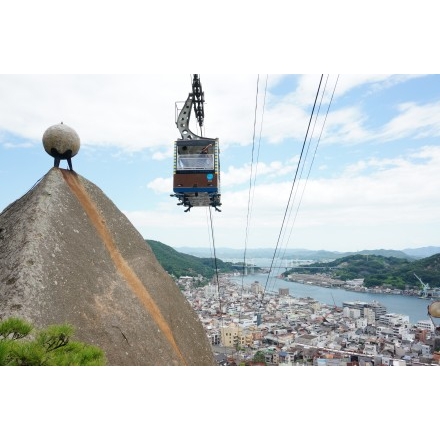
column 350, row 212
column 137, row 112
column 17, row 145
column 246, row 174
column 161, row 185
column 419, row 121
column 124, row 114
column 345, row 126
column 397, row 192
column 132, row 112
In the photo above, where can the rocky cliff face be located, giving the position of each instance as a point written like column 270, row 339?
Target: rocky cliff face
column 68, row 255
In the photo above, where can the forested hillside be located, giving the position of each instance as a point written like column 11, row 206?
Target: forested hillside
column 378, row 270
column 179, row 264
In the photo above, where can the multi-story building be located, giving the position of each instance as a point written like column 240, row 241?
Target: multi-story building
column 350, row 312
column 257, row 288
column 392, row 319
column 235, row 335
column 425, row 325
column 378, row 308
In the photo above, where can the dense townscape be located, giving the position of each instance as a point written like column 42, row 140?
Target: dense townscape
column 247, row 326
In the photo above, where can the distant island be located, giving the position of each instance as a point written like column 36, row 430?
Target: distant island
column 374, row 271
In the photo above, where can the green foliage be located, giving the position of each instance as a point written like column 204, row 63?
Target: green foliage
column 21, row 346
column 179, row 264
column 377, row 270
column 437, row 345
column 14, row 328
column 259, row 358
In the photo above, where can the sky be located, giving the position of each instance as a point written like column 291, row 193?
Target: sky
column 341, row 162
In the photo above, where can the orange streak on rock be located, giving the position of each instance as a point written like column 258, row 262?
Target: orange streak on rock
column 121, row 264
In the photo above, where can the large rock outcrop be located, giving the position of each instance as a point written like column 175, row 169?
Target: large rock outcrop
column 68, row 255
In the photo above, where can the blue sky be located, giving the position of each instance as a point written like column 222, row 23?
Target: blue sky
column 368, row 178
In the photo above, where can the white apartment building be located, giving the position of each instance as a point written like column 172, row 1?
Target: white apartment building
column 348, row 312
column 370, row 315
column 361, row 322
column 391, row 319
column 425, row 325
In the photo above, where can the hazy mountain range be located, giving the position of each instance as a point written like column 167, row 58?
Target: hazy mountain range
column 306, row 254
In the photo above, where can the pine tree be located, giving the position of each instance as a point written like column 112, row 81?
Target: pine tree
column 21, row 345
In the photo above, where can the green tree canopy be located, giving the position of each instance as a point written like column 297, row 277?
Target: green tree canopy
column 259, row 357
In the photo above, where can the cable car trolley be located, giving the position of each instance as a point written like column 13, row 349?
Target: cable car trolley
column 196, row 176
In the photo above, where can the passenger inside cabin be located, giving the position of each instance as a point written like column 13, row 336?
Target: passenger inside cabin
column 205, row 149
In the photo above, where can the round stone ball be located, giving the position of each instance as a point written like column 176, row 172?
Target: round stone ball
column 434, row 309
column 61, row 138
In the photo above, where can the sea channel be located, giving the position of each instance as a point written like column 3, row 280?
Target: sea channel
column 414, row 307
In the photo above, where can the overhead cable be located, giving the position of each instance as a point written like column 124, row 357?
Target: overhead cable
column 293, row 183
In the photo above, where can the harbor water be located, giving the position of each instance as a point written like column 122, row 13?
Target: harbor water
column 414, row 307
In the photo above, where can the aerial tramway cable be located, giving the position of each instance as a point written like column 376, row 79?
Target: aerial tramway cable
column 311, row 163
column 282, row 255
column 310, row 137
column 215, row 266
column 252, row 178
column 291, row 190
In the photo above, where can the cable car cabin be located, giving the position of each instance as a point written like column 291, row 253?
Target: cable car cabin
column 196, row 177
